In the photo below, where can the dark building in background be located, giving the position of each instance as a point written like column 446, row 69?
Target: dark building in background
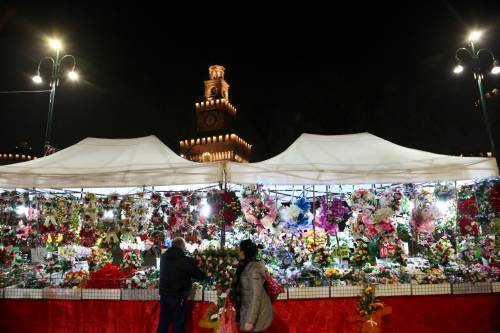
column 21, row 153
column 216, row 139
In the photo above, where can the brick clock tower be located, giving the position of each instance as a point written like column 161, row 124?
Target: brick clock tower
column 216, row 140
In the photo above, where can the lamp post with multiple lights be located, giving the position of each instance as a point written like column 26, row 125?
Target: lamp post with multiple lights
column 55, row 76
column 472, row 55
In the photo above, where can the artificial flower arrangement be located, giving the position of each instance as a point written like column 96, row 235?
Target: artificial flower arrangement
column 391, row 198
column 98, row 258
column 362, row 200
column 321, row 256
column 76, row 279
column 370, row 310
column 425, row 213
column 225, row 207
column 132, row 261
column 220, row 265
column 258, row 207
column 333, row 216
column 361, row 255
column 297, row 217
column 441, row 252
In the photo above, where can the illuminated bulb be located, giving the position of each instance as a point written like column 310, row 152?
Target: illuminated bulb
column 37, row 79
column 205, row 211
column 73, row 76
column 496, row 68
column 55, row 44
column 474, row 36
column 458, row 69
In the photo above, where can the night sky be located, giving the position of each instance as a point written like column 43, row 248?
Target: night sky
column 382, row 68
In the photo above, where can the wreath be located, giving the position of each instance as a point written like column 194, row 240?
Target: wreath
column 225, row 207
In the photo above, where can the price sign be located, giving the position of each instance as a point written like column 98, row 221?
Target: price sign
column 386, row 250
column 342, row 252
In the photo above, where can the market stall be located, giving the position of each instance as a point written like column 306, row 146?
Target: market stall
column 339, row 217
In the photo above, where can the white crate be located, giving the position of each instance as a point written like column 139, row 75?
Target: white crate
column 140, row 294
column 60, row 293
column 196, row 294
column 308, row 292
column 346, row 291
column 495, row 287
column 113, row 294
column 393, row 290
column 472, row 288
column 23, row 293
column 210, row 296
column 431, row 289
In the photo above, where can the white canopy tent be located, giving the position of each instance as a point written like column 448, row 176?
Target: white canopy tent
column 96, row 162
column 357, row 159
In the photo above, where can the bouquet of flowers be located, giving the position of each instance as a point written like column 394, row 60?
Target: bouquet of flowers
column 425, row 213
column 98, row 258
column 259, row 208
column 333, row 214
column 368, row 304
column 297, row 217
column 75, row 279
column 441, row 252
column 333, row 273
column 225, row 207
column 380, row 222
column 390, row 198
column 361, row 254
column 321, row 257
column 358, row 225
column 362, row 200
column 132, row 260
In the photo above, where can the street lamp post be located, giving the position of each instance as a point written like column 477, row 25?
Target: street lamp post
column 54, row 82
column 474, row 56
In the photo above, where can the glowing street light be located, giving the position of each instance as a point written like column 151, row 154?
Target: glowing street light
column 55, row 44
column 55, row 76
column 458, row 69
column 471, row 55
column 37, row 79
column 475, row 35
column 72, row 75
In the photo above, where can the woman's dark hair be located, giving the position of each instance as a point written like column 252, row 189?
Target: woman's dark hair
column 249, row 248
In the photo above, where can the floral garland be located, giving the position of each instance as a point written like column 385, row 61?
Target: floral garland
column 225, row 207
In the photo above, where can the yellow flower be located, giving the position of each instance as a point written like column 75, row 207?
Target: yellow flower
column 59, row 238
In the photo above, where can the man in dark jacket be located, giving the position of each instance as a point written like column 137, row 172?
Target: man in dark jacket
column 176, row 272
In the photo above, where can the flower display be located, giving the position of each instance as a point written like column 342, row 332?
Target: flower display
column 75, row 279
column 132, row 260
column 98, row 258
column 425, row 213
column 258, row 208
column 361, row 254
column 225, row 207
column 362, row 200
column 296, row 217
column 332, row 214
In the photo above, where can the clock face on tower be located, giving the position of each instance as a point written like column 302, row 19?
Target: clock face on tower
column 209, row 120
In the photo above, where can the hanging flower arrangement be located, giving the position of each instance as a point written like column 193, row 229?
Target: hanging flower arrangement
column 425, row 213
column 297, row 217
column 390, row 198
column 225, row 207
column 332, row 215
column 444, row 191
column 362, row 200
column 380, row 222
column 259, row 208
column 467, row 211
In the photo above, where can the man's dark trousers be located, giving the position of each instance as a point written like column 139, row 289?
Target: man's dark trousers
column 172, row 310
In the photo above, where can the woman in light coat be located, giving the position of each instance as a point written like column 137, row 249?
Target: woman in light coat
column 254, row 311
